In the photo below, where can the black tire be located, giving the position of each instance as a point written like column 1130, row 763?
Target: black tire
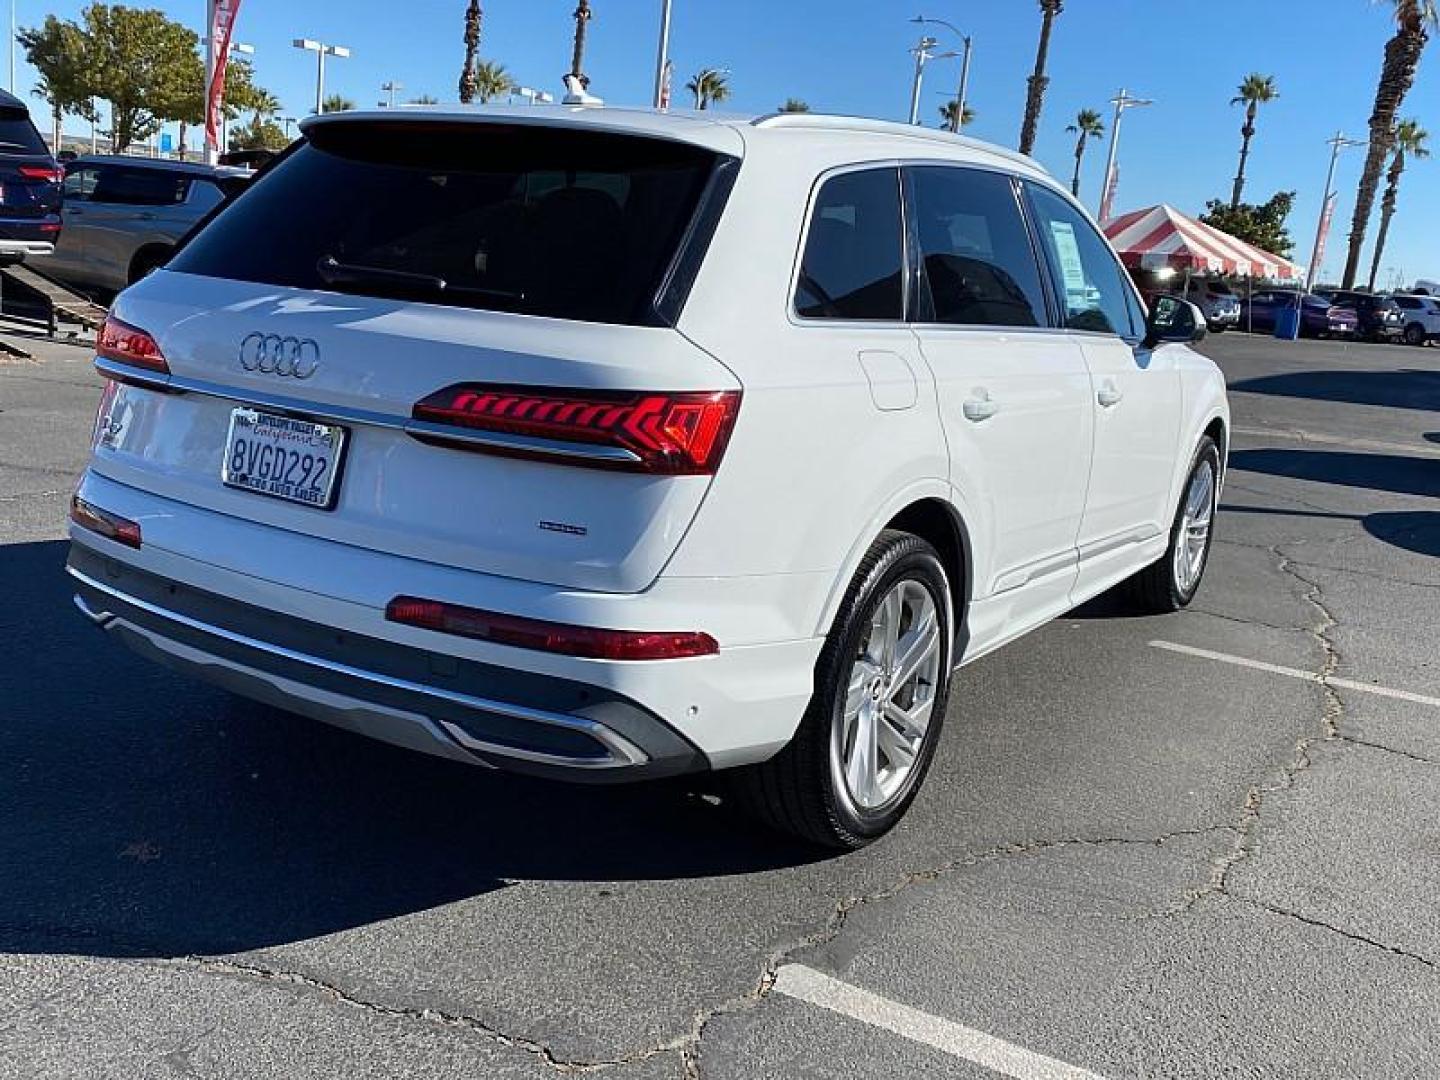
column 1157, row 589
column 1415, row 334
column 797, row 791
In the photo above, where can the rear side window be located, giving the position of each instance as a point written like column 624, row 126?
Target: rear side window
column 979, row 266
column 18, row 134
column 853, row 266
column 1087, row 276
column 139, row 187
column 538, row 220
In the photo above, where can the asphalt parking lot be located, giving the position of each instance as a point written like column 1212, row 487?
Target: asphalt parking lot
column 1194, row 846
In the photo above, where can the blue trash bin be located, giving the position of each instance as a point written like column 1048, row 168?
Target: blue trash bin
column 1287, row 322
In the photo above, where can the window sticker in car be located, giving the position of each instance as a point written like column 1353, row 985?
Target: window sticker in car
column 1067, row 250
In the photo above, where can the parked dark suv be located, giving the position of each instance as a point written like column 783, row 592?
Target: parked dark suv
column 29, row 185
column 1380, row 318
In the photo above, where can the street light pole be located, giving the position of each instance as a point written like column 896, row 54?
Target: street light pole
column 662, row 55
column 1338, row 143
column 921, row 52
column 958, row 121
column 321, row 50
column 1121, row 101
column 390, row 88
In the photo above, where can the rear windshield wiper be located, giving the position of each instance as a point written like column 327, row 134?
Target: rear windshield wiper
column 334, row 272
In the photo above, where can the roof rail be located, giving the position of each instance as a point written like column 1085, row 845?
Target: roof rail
column 871, row 126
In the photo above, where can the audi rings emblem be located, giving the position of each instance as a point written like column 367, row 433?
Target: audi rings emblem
column 272, row 354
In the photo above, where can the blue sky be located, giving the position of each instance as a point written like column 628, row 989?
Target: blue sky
column 849, row 56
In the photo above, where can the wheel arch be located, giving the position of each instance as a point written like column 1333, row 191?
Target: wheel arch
column 930, row 512
column 145, row 253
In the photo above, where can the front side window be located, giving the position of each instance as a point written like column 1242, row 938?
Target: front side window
column 1087, row 276
column 853, row 266
column 979, row 267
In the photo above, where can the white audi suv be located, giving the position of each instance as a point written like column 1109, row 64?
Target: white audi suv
column 607, row 444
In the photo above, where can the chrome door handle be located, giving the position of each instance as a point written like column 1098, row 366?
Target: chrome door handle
column 978, row 409
column 145, row 215
column 1109, row 396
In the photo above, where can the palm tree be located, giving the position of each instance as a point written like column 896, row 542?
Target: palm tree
column 263, row 105
column 336, row 103
column 794, row 105
column 582, row 16
column 1410, row 140
column 492, row 81
column 947, row 115
column 708, row 85
column 1413, row 20
column 472, row 51
column 1087, row 125
column 1037, row 82
column 1255, row 91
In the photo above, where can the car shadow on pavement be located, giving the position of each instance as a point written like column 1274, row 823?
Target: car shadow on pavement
column 1379, row 472
column 1408, row 388
column 142, row 813
column 1413, row 530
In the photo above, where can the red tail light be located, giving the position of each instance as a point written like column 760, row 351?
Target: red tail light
column 51, row 174
column 111, row 526
column 128, row 344
column 548, row 636
column 675, row 433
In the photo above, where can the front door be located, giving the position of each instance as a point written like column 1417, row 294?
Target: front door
column 1134, row 398
column 1014, row 395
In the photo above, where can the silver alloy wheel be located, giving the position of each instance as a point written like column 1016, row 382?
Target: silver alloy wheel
column 878, row 736
column 1193, row 540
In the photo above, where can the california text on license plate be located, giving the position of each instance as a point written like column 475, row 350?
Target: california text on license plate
column 283, row 457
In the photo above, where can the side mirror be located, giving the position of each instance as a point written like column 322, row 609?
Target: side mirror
column 1173, row 320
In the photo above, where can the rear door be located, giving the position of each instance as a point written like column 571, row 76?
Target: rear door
column 475, row 307
column 1134, row 395
column 1014, row 393
column 132, row 205
column 68, row 258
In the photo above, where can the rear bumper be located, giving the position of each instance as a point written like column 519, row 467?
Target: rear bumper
column 462, row 710
column 263, row 594
column 16, row 248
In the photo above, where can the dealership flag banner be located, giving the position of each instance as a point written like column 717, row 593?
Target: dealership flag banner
column 222, row 21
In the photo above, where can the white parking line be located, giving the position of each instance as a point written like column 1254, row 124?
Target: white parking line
column 1323, row 439
column 1007, row 1059
column 1298, row 673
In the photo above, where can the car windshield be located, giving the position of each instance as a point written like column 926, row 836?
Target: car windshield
column 551, row 221
column 18, row 134
column 1219, row 288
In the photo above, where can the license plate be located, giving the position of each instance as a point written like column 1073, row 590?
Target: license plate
column 282, row 457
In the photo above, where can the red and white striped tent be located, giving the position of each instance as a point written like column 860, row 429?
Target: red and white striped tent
column 1162, row 236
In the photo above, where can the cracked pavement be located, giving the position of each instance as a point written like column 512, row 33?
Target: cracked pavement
column 1135, row 861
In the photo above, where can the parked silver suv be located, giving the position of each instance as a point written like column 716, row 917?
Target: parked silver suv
column 124, row 215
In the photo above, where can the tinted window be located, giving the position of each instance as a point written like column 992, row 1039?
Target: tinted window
column 545, row 221
column 80, row 183
column 854, row 255
column 1408, row 303
column 139, row 187
column 18, row 134
column 1087, row 276
column 979, row 265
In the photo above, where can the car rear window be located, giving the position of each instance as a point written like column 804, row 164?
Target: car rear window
column 538, row 220
column 18, row 134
